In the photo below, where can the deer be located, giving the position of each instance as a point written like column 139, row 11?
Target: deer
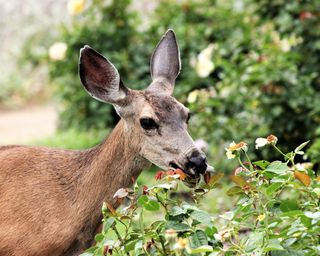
column 50, row 199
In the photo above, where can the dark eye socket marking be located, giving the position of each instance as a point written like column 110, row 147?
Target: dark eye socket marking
column 148, row 124
column 189, row 116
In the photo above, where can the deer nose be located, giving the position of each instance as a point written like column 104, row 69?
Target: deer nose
column 197, row 161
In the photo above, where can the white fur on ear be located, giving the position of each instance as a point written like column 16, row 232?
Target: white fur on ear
column 100, row 78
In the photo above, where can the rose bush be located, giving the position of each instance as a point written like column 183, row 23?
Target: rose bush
column 275, row 211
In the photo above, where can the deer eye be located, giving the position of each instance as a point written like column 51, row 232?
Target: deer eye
column 188, row 118
column 148, row 123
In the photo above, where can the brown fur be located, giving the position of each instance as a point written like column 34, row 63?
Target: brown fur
column 50, row 199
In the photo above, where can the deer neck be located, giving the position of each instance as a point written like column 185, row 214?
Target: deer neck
column 113, row 164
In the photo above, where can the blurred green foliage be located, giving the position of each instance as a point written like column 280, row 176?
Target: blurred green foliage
column 249, row 68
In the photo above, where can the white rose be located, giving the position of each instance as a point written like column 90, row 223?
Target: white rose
column 261, row 142
column 58, row 50
column 204, row 65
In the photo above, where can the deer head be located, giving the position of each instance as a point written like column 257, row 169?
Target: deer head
column 156, row 120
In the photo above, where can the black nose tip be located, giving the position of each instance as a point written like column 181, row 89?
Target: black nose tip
column 197, row 162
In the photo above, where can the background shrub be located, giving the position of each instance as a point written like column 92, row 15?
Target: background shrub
column 249, row 68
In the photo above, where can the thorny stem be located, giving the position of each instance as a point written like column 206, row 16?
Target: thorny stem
column 119, row 236
column 162, row 245
column 162, row 203
column 242, row 165
column 250, row 163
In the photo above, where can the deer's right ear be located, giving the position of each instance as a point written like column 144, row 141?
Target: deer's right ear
column 100, row 78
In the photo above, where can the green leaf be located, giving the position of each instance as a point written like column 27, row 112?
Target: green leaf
column 291, row 213
column 152, row 205
column 210, row 231
column 142, row 200
column 227, row 215
column 138, row 247
column 201, row 217
column 262, row 164
column 234, row 191
column 273, row 187
column 198, row 238
column 255, row 240
column 86, row 254
column 203, row 248
column 176, row 210
column 129, row 246
column 148, row 204
column 273, row 245
column 107, row 224
column 99, row 237
column 177, row 226
column 301, row 146
column 277, row 167
column 288, row 205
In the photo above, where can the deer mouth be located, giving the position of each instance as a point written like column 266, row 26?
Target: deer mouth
column 192, row 177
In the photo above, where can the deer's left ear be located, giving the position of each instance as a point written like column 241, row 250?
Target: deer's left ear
column 165, row 64
column 100, row 78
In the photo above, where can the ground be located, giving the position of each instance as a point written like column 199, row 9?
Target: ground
column 27, row 124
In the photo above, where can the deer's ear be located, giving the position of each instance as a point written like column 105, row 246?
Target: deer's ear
column 165, row 63
column 100, row 78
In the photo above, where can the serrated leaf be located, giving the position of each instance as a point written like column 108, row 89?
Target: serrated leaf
column 152, row 205
column 148, row 204
column 129, row 246
column 255, row 240
column 288, row 205
column 201, row 217
column 303, row 177
column 234, row 191
column 291, row 213
column 143, row 199
column 87, row 254
column 99, row 237
column 215, row 178
column 179, row 227
column 203, row 248
column 273, row 245
column 262, row 164
column 198, row 238
column 227, row 215
column 176, row 210
column 273, row 187
column 240, row 181
column 277, row 167
column 107, row 224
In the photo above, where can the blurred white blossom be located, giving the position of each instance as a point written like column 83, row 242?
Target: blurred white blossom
column 204, row 64
column 201, row 144
column 192, row 96
column 57, row 51
column 76, row 7
column 261, row 142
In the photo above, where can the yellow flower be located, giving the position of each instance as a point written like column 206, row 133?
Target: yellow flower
column 261, row 217
column 76, row 7
column 57, row 51
column 192, row 97
column 272, row 139
column 236, row 147
column 182, row 243
column 230, row 155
